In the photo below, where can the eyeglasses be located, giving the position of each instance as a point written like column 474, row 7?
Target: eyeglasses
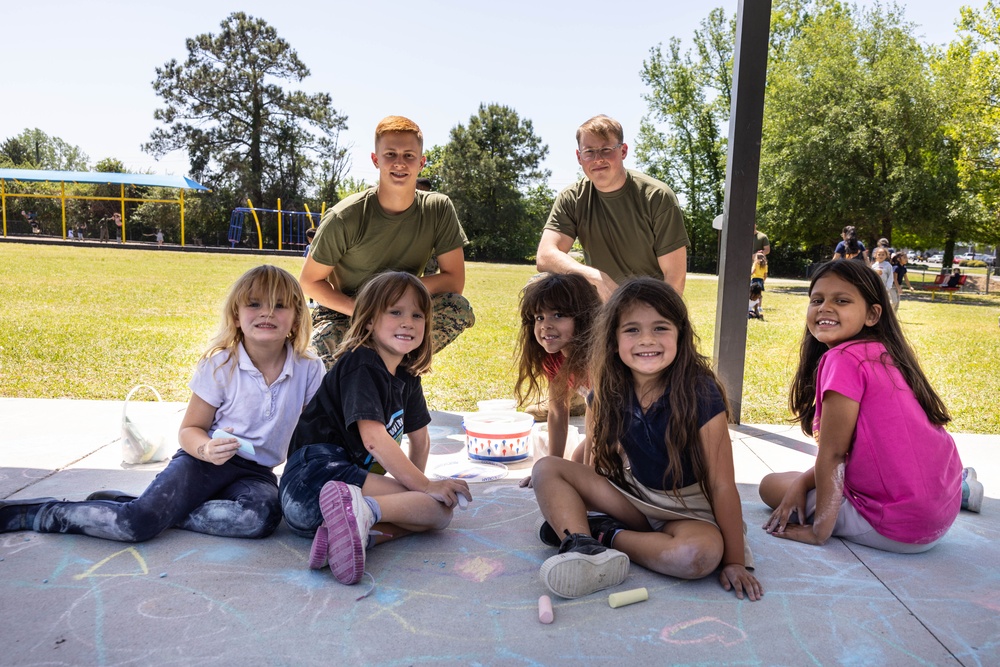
column 590, row 154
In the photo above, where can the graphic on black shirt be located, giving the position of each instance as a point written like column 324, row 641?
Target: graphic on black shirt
column 395, row 430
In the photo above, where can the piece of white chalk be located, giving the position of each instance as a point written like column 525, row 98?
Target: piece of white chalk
column 545, row 614
column 463, row 502
column 628, row 597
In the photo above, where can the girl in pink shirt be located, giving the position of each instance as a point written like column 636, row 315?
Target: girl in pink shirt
column 557, row 310
column 887, row 474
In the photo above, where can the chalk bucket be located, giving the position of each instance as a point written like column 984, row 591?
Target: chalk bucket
column 498, row 436
column 497, row 405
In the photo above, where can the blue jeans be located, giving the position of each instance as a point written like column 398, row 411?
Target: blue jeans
column 237, row 499
column 306, row 472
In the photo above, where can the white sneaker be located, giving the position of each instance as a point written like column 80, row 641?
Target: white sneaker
column 972, row 491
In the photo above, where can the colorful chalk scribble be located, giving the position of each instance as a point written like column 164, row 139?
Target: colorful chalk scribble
column 479, row 569
column 703, row 630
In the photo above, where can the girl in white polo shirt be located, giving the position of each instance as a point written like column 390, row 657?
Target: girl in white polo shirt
column 248, row 390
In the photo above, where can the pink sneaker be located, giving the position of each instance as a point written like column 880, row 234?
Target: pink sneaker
column 318, row 554
column 347, row 519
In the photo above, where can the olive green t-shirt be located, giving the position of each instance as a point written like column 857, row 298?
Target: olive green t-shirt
column 359, row 239
column 622, row 232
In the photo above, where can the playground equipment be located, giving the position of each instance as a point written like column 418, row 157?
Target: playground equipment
column 292, row 226
column 76, row 178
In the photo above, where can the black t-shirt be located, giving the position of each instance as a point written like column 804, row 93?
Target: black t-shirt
column 359, row 387
column 644, row 439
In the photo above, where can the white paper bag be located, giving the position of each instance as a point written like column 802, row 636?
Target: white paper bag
column 149, row 432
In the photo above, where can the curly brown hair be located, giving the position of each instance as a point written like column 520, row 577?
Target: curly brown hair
column 571, row 295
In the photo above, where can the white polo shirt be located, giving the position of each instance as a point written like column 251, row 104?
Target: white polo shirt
column 264, row 415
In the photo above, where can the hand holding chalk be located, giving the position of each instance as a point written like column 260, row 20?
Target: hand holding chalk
column 616, row 600
column 545, row 614
column 245, row 445
column 462, row 502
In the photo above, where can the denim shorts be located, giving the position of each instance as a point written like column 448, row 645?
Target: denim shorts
column 308, row 469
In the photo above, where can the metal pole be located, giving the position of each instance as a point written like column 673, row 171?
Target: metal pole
column 181, row 200
column 753, row 24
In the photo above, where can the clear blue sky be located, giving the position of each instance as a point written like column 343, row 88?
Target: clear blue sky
column 82, row 70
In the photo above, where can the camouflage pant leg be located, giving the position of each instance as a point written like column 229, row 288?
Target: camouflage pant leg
column 452, row 314
column 329, row 329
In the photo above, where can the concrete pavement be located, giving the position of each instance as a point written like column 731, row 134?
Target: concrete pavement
column 467, row 595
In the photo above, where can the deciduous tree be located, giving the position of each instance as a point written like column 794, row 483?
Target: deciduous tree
column 851, row 129
column 681, row 139
column 34, row 149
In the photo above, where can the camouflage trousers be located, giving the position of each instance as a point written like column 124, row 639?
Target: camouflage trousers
column 451, row 315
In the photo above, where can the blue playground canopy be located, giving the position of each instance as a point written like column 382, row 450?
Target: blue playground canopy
column 45, row 175
column 180, row 183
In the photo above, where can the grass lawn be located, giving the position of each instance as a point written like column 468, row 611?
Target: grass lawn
column 91, row 322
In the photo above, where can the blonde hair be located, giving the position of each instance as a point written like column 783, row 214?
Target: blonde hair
column 374, row 298
column 272, row 285
column 760, row 259
column 603, row 126
column 398, row 124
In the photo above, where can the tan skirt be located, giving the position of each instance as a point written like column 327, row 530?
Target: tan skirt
column 662, row 507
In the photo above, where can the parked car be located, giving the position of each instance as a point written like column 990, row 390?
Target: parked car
column 912, row 256
column 935, row 259
column 989, row 259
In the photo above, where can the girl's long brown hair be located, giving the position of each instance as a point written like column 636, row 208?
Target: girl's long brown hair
column 373, row 299
column 573, row 296
column 614, row 386
column 802, row 395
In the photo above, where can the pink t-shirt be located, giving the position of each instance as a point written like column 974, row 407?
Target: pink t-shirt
column 903, row 473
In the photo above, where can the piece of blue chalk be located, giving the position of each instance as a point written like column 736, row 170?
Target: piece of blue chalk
column 245, row 445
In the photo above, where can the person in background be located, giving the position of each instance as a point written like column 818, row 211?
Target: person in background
column 758, row 274
column 850, row 247
column 760, row 242
column 883, row 268
column 391, row 226
column 628, row 223
column 899, row 277
column 310, row 235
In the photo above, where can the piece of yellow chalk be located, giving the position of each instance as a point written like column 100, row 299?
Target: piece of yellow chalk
column 628, row 597
column 545, row 614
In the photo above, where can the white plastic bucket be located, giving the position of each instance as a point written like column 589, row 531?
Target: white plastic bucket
column 498, row 436
column 497, row 405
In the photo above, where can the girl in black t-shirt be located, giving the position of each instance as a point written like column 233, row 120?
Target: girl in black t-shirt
column 354, row 426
